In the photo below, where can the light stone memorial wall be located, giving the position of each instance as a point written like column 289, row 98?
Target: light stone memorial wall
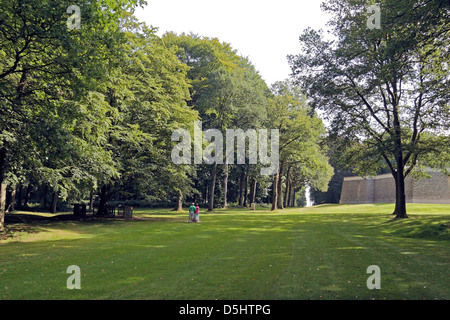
column 381, row 189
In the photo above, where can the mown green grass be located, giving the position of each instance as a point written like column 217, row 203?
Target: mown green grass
column 312, row 253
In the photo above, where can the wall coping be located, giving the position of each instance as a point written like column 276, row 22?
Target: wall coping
column 382, row 176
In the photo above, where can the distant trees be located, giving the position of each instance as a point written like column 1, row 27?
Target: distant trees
column 302, row 159
column 228, row 93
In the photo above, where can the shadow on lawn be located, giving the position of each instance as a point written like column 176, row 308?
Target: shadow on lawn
column 430, row 229
column 19, row 223
column 29, row 223
column 16, row 218
column 34, row 219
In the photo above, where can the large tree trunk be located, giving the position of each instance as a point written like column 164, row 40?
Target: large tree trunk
column 245, row 204
column 11, row 200
column 241, row 188
column 3, row 187
column 292, row 196
column 19, row 196
column 287, row 192
column 253, row 191
column 225, row 187
column 179, row 204
column 394, row 174
column 28, row 195
column 213, row 184
column 91, row 201
column 274, row 192
column 280, row 188
column 103, row 203
column 45, row 197
column 400, row 201
column 54, row 202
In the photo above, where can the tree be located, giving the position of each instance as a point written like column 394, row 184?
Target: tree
column 48, row 77
column 149, row 88
column 385, row 90
column 226, row 90
column 251, row 113
column 333, row 194
column 300, row 133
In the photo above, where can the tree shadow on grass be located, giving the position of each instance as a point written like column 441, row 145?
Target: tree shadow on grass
column 10, row 232
column 15, row 218
column 20, row 223
column 35, row 219
column 29, row 223
column 429, row 229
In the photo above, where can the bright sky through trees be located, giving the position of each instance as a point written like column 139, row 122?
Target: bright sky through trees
column 265, row 31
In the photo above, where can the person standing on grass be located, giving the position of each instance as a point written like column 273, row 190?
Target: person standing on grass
column 197, row 211
column 191, row 213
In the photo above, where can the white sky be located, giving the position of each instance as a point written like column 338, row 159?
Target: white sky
column 262, row 30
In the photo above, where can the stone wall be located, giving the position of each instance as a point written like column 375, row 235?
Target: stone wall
column 435, row 190
column 381, row 189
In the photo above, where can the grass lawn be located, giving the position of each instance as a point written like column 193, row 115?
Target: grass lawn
column 312, row 253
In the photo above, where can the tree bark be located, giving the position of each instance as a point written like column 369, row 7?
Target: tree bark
column 179, row 205
column 213, row 184
column 287, row 194
column 225, row 187
column 10, row 207
column 3, row 187
column 394, row 174
column 280, row 188
column 241, row 188
column 400, row 201
column 26, row 202
column 245, row 204
column 44, row 197
column 275, row 191
column 253, row 191
column 91, row 201
column 288, row 189
column 54, row 202
column 292, row 196
column 19, row 197
column 103, row 203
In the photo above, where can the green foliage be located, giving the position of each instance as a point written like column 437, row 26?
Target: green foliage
column 83, row 107
column 300, row 136
column 149, row 89
column 371, row 79
column 54, row 119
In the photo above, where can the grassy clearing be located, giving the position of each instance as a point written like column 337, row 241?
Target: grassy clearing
column 313, row 253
